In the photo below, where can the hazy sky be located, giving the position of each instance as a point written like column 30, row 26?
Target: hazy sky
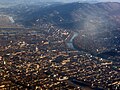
column 77, row 0
column 87, row 0
column 81, row 0
column 5, row 1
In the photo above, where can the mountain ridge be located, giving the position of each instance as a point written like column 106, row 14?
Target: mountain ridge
column 98, row 24
column 66, row 12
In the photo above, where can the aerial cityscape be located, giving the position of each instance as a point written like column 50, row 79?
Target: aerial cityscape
column 59, row 45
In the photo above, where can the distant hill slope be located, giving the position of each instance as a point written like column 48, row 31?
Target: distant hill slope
column 7, row 22
column 72, row 15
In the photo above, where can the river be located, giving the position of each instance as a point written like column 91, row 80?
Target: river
column 70, row 43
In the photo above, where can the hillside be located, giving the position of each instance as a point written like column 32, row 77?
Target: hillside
column 73, row 15
column 98, row 24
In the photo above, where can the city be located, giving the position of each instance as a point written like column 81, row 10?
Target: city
column 41, row 61
column 59, row 45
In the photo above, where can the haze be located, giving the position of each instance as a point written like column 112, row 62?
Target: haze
column 66, row 1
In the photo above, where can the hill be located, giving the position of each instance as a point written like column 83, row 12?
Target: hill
column 98, row 24
column 72, row 15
